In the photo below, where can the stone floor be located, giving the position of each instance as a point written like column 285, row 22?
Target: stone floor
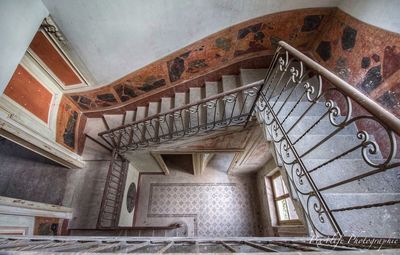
column 212, row 205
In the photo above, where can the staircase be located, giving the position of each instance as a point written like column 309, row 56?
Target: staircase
column 113, row 193
column 336, row 146
column 214, row 106
column 217, row 106
column 346, row 185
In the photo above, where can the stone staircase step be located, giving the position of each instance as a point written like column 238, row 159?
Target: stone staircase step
column 167, row 104
column 216, row 112
column 141, row 113
column 197, row 118
column 180, row 122
column 328, row 149
column 93, row 127
column 346, row 169
column 152, row 130
column 93, row 151
column 129, row 116
column 114, row 120
column 248, row 76
column 285, row 82
column 230, row 82
column 295, row 92
column 317, row 109
column 323, row 127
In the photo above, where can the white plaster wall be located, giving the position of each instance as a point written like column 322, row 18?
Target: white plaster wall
column 126, row 218
column 19, row 21
column 7, row 220
column 381, row 13
column 114, row 38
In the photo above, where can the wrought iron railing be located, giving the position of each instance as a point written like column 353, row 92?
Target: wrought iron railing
column 230, row 108
column 113, row 193
column 123, row 245
column 338, row 147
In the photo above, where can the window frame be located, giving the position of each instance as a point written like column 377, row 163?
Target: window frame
column 280, row 198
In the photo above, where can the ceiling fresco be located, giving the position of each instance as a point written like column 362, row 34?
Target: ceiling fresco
column 248, row 39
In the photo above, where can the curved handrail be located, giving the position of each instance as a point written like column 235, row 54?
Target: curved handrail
column 370, row 105
column 186, row 106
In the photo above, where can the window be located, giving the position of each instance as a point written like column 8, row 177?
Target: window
column 283, row 203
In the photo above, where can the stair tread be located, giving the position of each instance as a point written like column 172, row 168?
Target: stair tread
column 212, row 88
column 248, row 76
column 230, row 82
column 153, row 108
column 129, row 116
column 114, row 120
column 93, row 151
column 166, row 104
column 141, row 112
column 94, row 126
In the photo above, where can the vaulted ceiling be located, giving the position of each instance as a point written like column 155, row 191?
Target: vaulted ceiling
column 114, row 38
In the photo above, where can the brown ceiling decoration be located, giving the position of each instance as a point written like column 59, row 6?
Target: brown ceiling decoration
column 70, row 125
column 365, row 56
column 253, row 38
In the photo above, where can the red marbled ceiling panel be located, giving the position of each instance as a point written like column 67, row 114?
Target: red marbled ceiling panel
column 28, row 92
column 43, row 48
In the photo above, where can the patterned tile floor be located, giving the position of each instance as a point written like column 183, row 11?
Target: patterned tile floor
column 213, row 205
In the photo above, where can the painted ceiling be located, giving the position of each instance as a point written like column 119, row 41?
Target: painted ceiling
column 114, row 38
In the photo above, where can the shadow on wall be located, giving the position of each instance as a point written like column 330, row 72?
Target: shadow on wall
column 29, row 176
